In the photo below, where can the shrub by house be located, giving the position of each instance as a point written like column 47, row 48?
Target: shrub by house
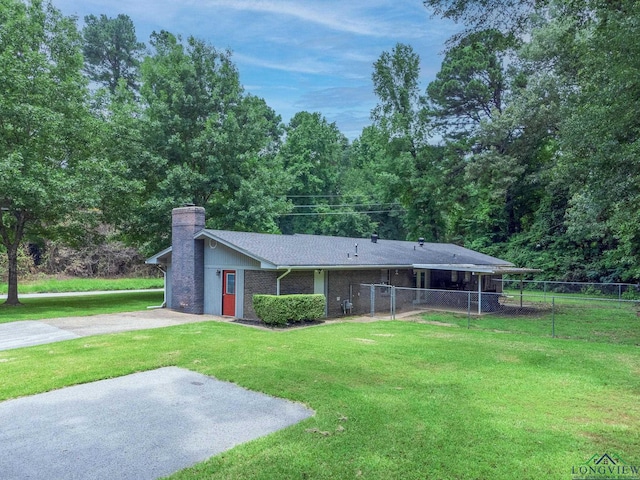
column 284, row 309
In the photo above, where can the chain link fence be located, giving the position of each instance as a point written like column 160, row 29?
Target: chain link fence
column 622, row 291
column 600, row 318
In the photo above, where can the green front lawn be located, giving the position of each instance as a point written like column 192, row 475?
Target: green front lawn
column 393, row 400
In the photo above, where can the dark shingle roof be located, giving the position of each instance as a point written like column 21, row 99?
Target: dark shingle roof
column 325, row 251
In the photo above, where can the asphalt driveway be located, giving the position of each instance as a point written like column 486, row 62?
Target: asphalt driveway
column 140, row 426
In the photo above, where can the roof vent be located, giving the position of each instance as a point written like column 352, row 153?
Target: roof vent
column 374, row 237
column 421, row 241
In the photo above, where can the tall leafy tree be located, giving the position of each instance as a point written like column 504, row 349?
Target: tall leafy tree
column 371, row 175
column 415, row 171
column 256, row 181
column 203, row 142
column 111, row 50
column 46, row 171
column 552, row 173
column 600, row 138
column 312, row 155
column 471, row 84
column 401, row 109
column 491, row 111
column 506, row 16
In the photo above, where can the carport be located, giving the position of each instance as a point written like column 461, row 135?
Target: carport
column 478, row 271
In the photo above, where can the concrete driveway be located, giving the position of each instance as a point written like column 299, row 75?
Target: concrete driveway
column 28, row 333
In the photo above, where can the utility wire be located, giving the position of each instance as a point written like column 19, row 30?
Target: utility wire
column 347, row 205
column 336, row 213
column 314, row 196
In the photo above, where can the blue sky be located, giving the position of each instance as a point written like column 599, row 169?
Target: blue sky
column 298, row 55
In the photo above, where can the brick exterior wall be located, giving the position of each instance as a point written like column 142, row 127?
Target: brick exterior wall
column 262, row 282
column 297, row 282
column 257, row 281
column 187, row 259
column 340, row 281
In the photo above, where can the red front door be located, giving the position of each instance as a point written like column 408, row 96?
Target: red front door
column 229, row 293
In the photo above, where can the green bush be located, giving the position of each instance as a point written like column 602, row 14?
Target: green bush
column 631, row 294
column 284, row 309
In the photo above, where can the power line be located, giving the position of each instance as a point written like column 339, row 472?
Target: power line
column 314, row 196
column 336, row 213
column 395, row 204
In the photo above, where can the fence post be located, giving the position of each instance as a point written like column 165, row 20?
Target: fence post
column 619, row 295
column 553, row 317
column 393, row 302
column 468, row 310
column 372, row 297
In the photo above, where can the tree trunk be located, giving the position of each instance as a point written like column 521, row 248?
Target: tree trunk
column 11, row 238
column 12, row 296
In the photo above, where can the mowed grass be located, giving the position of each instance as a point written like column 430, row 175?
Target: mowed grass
column 393, row 399
column 610, row 321
column 41, row 308
column 57, row 285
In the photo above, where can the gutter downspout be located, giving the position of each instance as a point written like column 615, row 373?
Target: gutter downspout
column 164, row 290
column 281, row 277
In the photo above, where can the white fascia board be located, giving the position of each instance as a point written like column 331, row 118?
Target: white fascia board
column 490, row 269
column 460, row 267
column 343, row 267
column 155, row 260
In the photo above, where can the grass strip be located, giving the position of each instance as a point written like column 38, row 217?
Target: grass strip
column 392, row 399
column 56, row 285
column 41, row 308
column 595, row 322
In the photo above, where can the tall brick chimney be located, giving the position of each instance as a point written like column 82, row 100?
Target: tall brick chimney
column 187, row 260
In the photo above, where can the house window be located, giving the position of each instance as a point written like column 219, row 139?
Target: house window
column 454, row 276
column 230, row 286
column 385, row 279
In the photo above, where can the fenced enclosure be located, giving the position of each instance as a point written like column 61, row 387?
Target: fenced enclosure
column 602, row 318
column 626, row 291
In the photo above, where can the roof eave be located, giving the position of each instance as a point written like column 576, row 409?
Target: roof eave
column 488, row 269
column 342, row 267
column 204, row 234
column 156, row 259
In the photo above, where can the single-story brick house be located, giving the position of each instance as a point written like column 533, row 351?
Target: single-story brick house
column 218, row 272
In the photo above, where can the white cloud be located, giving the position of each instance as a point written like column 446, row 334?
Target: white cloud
column 350, row 17
column 306, row 65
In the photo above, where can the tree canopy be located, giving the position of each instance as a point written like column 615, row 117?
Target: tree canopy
column 47, row 172
column 524, row 145
column 111, row 50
